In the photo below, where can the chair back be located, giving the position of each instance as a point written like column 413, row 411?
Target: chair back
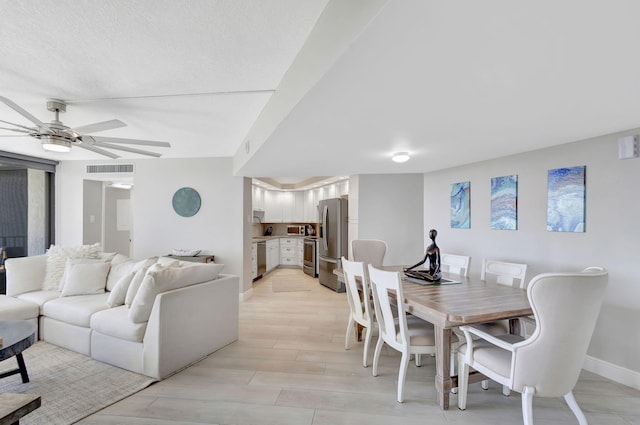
column 382, row 282
column 360, row 309
column 509, row 274
column 566, row 307
column 369, row 251
column 456, row 264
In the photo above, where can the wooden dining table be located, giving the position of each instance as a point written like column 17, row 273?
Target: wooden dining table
column 448, row 306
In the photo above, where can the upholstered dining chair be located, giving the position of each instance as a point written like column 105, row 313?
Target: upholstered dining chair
column 369, row 251
column 361, row 309
column 548, row 363
column 408, row 336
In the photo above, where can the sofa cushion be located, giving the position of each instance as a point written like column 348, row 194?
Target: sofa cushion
column 119, row 292
column 75, row 310
column 84, row 277
column 39, row 297
column 115, row 322
column 57, row 260
column 161, row 279
column 17, row 309
column 121, row 268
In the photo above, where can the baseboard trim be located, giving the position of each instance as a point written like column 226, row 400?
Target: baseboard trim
column 246, row 294
column 614, row 372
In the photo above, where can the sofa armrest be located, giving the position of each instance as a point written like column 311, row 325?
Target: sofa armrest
column 25, row 274
column 189, row 323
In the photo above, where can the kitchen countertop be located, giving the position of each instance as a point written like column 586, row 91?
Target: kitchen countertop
column 266, row 238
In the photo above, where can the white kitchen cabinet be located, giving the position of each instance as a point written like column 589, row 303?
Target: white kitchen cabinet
column 287, row 202
column 300, row 252
column 273, row 254
column 298, row 209
column 254, row 260
column 273, row 206
column 288, row 251
column 310, row 206
column 342, row 188
column 257, row 198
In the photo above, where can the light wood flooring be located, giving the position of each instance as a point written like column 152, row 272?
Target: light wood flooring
column 290, row 367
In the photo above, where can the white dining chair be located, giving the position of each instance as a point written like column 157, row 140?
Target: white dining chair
column 409, row 337
column 455, row 264
column 459, row 265
column 369, row 251
column 508, row 274
column 548, row 363
column 361, row 310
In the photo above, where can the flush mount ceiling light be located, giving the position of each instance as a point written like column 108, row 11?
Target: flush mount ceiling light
column 55, row 143
column 400, row 157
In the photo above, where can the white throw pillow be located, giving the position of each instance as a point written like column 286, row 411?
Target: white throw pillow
column 121, row 268
column 162, row 279
column 57, row 259
column 85, row 278
column 134, row 286
column 119, row 291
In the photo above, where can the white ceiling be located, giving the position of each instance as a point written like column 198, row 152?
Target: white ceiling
column 450, row 82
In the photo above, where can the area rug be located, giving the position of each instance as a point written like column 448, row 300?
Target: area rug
column 289, row 285
column 71, row 386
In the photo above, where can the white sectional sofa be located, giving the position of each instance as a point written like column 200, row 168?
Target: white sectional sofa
column 153, row 317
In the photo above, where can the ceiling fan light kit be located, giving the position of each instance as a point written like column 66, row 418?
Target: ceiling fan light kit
column 57, row 137
column 54, row 143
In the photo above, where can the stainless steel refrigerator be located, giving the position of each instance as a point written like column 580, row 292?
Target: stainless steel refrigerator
column 333, row 241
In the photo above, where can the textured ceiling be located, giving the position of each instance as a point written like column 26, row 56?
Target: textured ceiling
column 195, row 73
column 321, row 91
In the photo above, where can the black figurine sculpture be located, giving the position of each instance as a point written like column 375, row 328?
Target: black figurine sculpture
column 433, row 255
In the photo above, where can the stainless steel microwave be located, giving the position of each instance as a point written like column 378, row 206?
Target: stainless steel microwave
column 295, row 230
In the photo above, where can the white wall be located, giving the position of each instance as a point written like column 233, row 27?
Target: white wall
column 611, row 237
column 157, row 229
column 390, row 208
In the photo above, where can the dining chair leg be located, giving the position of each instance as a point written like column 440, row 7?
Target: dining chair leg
column 349, row 330
column 418, row 360
column 367, row 342
column 485, row 384
column 463, row 382
column 402, row 374
column 506, row 391
column 573, row 405
column 376, row 356
column 527, row 405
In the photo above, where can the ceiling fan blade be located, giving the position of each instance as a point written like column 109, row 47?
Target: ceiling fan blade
column 131, row 141
column 124, row 148
column 18, row 130
column 97, row 150
column 18, row 125
column 22, row 112
column 99, row 126
column 14, row 135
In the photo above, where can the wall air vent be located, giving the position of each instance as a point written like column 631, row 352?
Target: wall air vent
column 109, row 168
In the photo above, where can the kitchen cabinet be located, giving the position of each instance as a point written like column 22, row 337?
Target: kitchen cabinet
column 272, row 206
column 254, row 260
column 257, row 198
column 287, row 202
column 300, row 252
column 273, row 254
column 288, row 251
column 310, row 210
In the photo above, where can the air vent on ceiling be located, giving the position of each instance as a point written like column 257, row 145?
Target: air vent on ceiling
column 109, row 168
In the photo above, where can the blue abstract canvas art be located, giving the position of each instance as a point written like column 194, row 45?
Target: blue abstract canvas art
column 566, row 200
column 460, row 205
column 504, row 202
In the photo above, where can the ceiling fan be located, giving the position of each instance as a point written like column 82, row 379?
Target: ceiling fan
column 57, row 137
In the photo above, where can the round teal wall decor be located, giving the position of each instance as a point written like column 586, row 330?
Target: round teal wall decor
column 186, row 202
